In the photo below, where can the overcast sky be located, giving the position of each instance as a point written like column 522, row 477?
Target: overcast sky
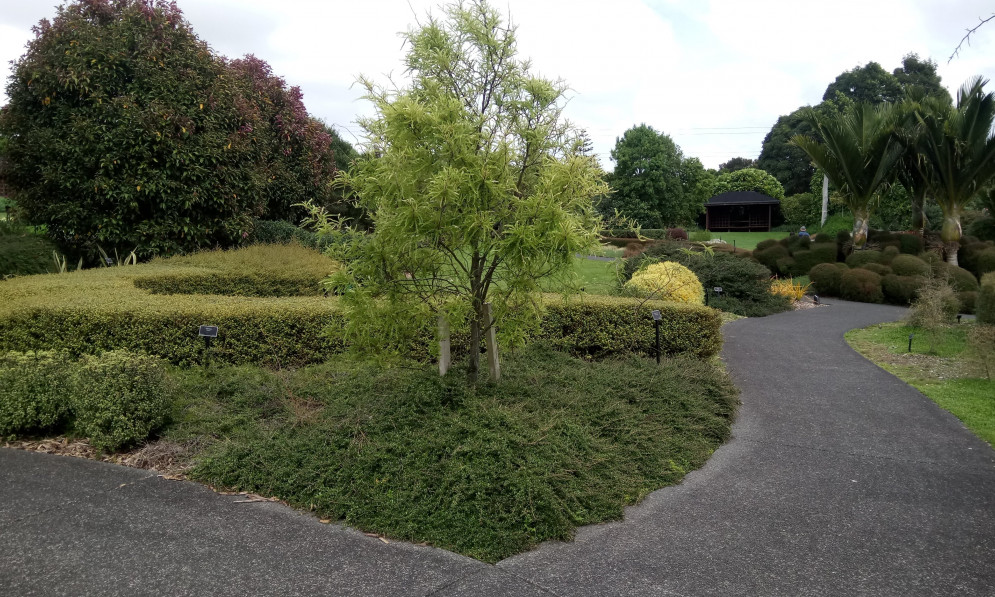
column 713, row 74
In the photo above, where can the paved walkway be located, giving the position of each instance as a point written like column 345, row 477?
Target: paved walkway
column 839, row 480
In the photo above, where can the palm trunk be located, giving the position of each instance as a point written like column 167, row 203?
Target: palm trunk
column 951, row 234
column 918, row 217
column 860, row 218
column 825, row 199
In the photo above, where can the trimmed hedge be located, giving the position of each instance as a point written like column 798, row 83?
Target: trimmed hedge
column 968, row 301
column 33, row 390
column 901, row 290
column 118, row 398
column 861, row 285
column 985, row 303
column 909, row 265
column 878, row 268
column 862, row 258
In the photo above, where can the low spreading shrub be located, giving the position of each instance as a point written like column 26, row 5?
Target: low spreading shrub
column 118, row 398
column 909, row 265
column 789, row 288
column 901, row 290
column 700, row 236
column 985, row 303
column 861, row 285
column 281, row 232
column 668, row 281
column 33, row 391
column 826, row 278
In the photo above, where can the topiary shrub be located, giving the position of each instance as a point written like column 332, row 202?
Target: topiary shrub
column 118, row 398
column 766, row 244
column 983, row 228
column 771, row 255
column 786, row 266
column 797, row 243
column 816, row 254
column 824, row 238
column 33, row 391
column 862, row 258
column 669, row 281
column 878, row 268
column 901, row 290
column 826, row 278
column 888, row 254
column 910, row 244
column 909, row 265
column 861, row 285
column 968, row 301
column 984, row 306
column 984, row 262
column 961, row 280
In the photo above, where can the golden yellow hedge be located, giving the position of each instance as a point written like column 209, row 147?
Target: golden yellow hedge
column 668, row 281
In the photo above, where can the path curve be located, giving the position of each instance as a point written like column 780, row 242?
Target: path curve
column 839, row 480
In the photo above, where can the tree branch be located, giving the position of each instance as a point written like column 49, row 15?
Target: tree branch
column 967, row 36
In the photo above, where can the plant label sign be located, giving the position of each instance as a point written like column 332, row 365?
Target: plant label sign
column 656, row 315
column 209, row 331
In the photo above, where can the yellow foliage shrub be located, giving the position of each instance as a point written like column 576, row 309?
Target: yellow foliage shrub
column 789, row 288
column 668, row 281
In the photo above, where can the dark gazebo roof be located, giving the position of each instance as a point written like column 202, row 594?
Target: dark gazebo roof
column 742, row 198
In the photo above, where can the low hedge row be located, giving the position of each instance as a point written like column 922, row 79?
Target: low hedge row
column 114, row 399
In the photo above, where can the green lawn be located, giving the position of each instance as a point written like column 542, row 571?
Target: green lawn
column 747, row 240
column 945, row 373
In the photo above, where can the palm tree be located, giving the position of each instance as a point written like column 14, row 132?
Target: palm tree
column 858, row 154
column 958, row 151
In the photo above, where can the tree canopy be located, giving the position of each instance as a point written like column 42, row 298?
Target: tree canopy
column 749, row 179
column 737, row 163
column 477, row 187
column 869, row 83
column 653, row 182
column 127, row 131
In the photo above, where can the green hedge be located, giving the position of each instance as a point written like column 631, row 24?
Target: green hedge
column 23, row 253
column 33, row 391
column 113, row 399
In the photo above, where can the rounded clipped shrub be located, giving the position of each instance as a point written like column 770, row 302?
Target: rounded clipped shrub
column 901, row 290
column 983, row 228
column 771, row 255
column 984, row 306
column 909, row 265
column 823, row 237
column 888, row 254
column 842, row 237
column 826, row 278
column 984, row 262
column 766, row 244
column 33, row 391
column 861, row 285
column 118, row 398
column 968, row 301
column 669, row 281
column 961, row 280
column 677, row 234
column 786, row 266
column 816, row 254
column 878, row 268
column 862, row 258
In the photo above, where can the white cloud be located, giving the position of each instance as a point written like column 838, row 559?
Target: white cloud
column 715, row 74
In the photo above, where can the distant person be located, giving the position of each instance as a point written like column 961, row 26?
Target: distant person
column 803, row 233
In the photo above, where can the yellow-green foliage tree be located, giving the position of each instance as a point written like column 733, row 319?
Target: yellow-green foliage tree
column 476, row 185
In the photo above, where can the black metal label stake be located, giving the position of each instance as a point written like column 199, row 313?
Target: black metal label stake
column 208, row 333
column 656, row 323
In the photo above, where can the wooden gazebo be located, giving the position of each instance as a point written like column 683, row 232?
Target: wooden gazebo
column 746, row 211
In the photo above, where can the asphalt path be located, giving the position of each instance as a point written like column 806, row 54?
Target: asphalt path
column 839, row 480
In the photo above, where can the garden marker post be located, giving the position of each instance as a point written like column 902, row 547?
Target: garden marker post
column 656, row 323
column 444, row 354
column 208, row 332
column 491, row 338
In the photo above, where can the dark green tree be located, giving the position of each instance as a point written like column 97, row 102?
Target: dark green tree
column 787, row 162
column 921, row 74
column 737, row 163
column 652, row 182
column 126, row 131
column 869, row 83
column 749, row 179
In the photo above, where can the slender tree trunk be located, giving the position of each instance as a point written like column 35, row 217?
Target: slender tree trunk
column 860, row 218
column 918, row 217
column 951, row 234
column 474, row 369
column 825, row 199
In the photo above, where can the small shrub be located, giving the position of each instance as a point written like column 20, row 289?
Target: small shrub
column 669, row 281
column 910, row 244
column 23, row 253
column 789, row 288
column 984, row 262
column 968, row 300
column 934, row 308
column 700, row 236
column 985, row 304
column 878, row 268
column 816, row 254
column 901, row 290
column 861, row 285
column 862, row 258
column 766, row 244
column 677, row 234
column 118, row 398
column 771, row 255
column 961, row 280
column 633, row 249
column 826, row 278
column 909, row 265
column 983, row 228
column 786, row 266
column 33, row 391
column 824, row 238
column 888, row 254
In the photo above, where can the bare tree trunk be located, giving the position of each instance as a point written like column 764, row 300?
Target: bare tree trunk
column 474, row 370
column 860, row 219
column 951, row 234
column 918, row 217
column 825, row 199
